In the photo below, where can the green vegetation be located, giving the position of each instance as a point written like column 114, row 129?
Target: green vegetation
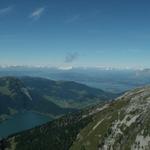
column 93, row 136
column 66, row 94
column 56, row 135
column 45, row 96
column 123, row 124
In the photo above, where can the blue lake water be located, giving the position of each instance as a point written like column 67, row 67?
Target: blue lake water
column 22, row 121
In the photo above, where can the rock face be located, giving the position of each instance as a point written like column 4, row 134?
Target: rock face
column 123, row 124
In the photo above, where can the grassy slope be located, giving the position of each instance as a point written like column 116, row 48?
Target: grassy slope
column 66, row 94
column 104, row 126
column 91, row 139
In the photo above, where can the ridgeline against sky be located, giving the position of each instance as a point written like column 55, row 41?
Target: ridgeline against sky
column 75, row 32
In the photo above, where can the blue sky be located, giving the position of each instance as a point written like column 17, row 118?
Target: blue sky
column 112, row 33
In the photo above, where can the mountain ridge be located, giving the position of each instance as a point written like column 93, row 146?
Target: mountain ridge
column 123, row 124
column 46, row 96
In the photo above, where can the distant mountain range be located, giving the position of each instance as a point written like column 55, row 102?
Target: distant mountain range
column 53, row 98
column 109, row 79
column 123, row 124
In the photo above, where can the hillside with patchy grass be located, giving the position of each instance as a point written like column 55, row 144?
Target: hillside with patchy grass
column 53, row 98
column 66, row 93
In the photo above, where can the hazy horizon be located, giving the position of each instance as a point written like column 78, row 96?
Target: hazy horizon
column 69, row 67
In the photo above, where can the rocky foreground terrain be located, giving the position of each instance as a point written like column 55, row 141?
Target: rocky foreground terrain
column 121, row 125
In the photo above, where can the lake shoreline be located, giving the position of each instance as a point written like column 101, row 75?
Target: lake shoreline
column 26, row 120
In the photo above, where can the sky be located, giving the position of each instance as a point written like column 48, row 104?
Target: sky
column 114, row 33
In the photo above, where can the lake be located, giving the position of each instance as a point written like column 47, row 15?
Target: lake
column 22, row 121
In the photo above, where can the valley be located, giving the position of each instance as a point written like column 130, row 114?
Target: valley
column 42, row 100
column 122, row 124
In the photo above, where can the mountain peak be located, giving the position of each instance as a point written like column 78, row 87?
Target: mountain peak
column 12, row 86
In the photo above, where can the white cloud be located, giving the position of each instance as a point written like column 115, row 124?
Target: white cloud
column 6, row 10
column 73, row 19
column 36, row 14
